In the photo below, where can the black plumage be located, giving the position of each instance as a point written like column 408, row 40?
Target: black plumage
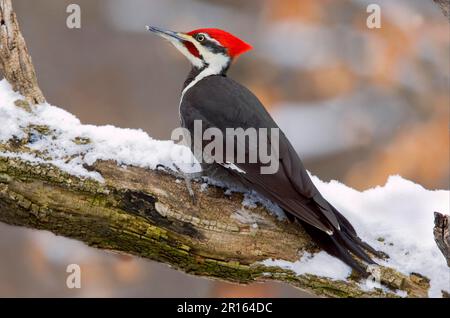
column 220, row 102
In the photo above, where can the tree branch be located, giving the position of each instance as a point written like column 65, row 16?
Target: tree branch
column 445, row 7
column 146, row 213
column 441, row 233
column 15, row 62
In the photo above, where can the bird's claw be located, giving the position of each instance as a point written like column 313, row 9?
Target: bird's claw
column 181, row 175
column 187, row 181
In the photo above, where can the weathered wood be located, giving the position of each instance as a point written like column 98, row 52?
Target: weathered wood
column 15, row 62
column 445, row 7
column 441, row 233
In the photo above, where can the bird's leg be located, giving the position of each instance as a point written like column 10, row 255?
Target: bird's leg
column 187, row 177
column 187, row 180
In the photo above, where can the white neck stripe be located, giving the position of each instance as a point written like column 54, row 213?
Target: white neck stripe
column 206, row 72
column 217, row 63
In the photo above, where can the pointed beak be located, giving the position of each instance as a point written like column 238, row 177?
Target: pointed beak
column 169, row 35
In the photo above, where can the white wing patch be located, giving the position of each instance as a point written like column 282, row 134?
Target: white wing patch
column 232, row 166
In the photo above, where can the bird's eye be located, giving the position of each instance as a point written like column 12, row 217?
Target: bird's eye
column 200, row 37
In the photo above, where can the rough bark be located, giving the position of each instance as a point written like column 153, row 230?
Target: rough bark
column 441, row 233
column 15, row 62
column 445, row 7
column 148, row 214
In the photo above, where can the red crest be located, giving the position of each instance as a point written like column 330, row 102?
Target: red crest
column 234, row 45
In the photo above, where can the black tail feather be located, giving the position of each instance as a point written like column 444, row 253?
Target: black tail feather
column 348, row 228
column 343, row 222
column 354, row 247
column 344, row 255
column 342, row 243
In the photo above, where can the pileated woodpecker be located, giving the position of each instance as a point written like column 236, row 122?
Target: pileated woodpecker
column 218, row 101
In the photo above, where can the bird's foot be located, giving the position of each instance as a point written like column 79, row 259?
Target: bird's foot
column 187, row 177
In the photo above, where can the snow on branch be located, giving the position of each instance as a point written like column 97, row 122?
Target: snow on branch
column 99, row 184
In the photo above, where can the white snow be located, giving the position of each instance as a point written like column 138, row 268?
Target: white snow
column 125, row 146
column 317, row 264
column 396, row 218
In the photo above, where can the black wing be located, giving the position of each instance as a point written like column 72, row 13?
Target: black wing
column 223, row 103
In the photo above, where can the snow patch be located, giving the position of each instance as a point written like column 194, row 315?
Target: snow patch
column 315, row 264
column 70, row 145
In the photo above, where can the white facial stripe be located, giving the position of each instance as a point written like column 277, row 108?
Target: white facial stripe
column 197, row 62
column 211, row 39
column 216, row 61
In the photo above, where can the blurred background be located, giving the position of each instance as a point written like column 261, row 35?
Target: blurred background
column 358, row 104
